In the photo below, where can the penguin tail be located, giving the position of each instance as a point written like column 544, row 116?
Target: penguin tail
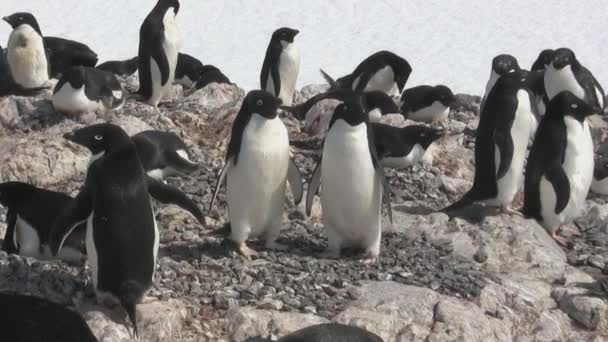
column 332, row 83
column 130, row 293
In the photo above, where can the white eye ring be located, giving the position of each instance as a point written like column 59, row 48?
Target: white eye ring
column 259, row 102
column 574, row 106
column 98, row 137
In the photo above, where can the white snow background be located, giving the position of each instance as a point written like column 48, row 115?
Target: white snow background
column 446, row 41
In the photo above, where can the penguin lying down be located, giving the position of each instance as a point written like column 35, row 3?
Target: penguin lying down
column 331, row 332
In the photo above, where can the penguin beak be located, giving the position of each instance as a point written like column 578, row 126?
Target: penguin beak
column 71, row 136
column 6, row 19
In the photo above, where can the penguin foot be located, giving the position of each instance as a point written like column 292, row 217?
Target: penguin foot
column 510, row 211
column 562, row 241
column 273, row 245
column 572, row 230
column 369, row 259
column 246, row 251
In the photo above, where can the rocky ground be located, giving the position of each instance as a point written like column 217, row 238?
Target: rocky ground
column 483, row 277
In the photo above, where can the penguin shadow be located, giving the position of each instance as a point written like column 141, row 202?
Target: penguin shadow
column 186, row 251
column 475, row 213
column 415, row 209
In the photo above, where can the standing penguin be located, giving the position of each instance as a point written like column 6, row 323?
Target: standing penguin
column 427, row 103
column 122, row 236
column 501, row 65
column 566, row 73
column 501, row 144
column 256, row 169
column 26, row 54
column 281, row 65
column 8, row 86
column 560, row 166
column 382, row 71
column 159, row 44
column 354, row 184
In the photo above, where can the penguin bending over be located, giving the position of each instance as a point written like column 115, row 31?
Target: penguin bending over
column 427, row 103
column 64, row 54
column 354, row 185
column 159, row 44
column 329, row 332
column 211, row 74
column 163, row 154
column 8, row 86
column 560, row 166
column 500, row 146
column 83, row 89
column 188, row 70
column 120, row 68
column 257, row 167
column 281, row 65
column 398, row 148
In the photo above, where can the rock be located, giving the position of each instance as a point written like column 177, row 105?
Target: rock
column 467, row 103
column 309, row 91
column 211, row 99
column 319, row 116
column 584, row 307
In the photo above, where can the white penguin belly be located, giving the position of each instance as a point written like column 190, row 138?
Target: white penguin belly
column 156, row 242
column 382, row 80
column 557, row 81
column 578, row 166
column 436, row 111
column 26, row 57
column 289, row 68
column 26, row 239
column 171, row 46
column 351, row 194
column 410, row 159
column 256, row 184
column 92, row 251
column 510, row 183
column 71, row 100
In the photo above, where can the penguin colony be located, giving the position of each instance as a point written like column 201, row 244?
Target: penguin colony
column 543, row 110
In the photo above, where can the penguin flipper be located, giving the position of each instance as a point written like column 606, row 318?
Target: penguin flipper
column 180, row 164
column 504, row 142
column 332, row 83
column 295, row 182
column 220, row 181
column 71, row 217
column 561, row 185
column 170, row 195
column 276, row 79
column 313, row 187
column 10, row 245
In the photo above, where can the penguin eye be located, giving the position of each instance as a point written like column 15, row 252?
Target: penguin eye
column 259, row 103
column 574, row 106
column 98, row 137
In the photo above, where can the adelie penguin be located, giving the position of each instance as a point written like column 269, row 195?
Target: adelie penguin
column 83, row 89
column 188, row 70
column 64, row 54
column 122, row 236
column 383, row 71
column 329, row 332
column 544, row 59
column 353, row 181
column 8, row 86
column 502, row 139
column 163, row 154
column 159, row 44
column 398, row 148
column 257, row 168
column 501, row 65
column 427, row 103
column 211, row 74
column 600, row 177
column 120, row 68
column 560, row 166
column 281, row 65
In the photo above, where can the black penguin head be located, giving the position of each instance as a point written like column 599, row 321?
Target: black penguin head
column 401, row 68
column 563, row 57
column 351, row 111
column 284, row 34
column 503, row 64
column 261, row 102
column 445, row 95
column 166, row 4
column 99, row 138
column 76, row 76
column 568, row 104
column 544, row 59
column 513, row 82
column 22, row 18
column 422, row 134
column 380, row 100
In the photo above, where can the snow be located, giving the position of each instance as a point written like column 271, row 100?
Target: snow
column 446, row 41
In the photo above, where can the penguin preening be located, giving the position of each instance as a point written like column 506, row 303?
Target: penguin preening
column 281, row 65
column 427, row 103
column 159, row 44
column 8, row 86
column 120, row 68
column 560, row 167
column 382, row 71
column 352, row 199
column 501, row 65
column 188, row 70
column 543, row 60
column 211, row 74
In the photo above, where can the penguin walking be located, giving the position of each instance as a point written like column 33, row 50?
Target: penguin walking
column 188, row 70
column 159, row 44
column 211, row 74
column 427, row 103
column 398, row 148
column 31, row 212
column 25, row 51
column 122, row 237
column 256, row 169
column 600, row 177
column 120, row 68
column 560, row 166
column 83, row 89
column 501, row 144
column 281, row 65
column 329, row 332
column 354, row 185
column 382, row 71
column 566, row 73
column 65, row 53
column 163, row 154
column 8, row 86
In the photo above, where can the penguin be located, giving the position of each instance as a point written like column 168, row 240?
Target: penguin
column 163, row 154
column 83, row 89
column 427, row 103
column 211, row 74
column 543, row 60
column 328, row 332
column 560, row 166
column 501, row 65
column 188, row 70
column 398, row 148
column 31, row 212
column 354, row 185
column 599, row 185
column 256, row 169
column 29, row 318
column 64, row 54
column 281, row 65
column 8, row 86
column 25, row 52
column 381, row 71
column 122, row 236
column 120, row 68
column 500, row 146
column 159, row 44
column 566, row 73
